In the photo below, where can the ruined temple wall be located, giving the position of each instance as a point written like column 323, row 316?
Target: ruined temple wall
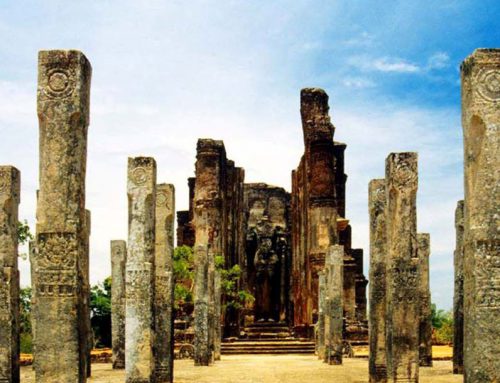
column 314, row 226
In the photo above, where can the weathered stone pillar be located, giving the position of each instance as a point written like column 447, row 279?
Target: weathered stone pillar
column 208, row 220
column 320, row 324
column 334, row 313
column 458, row 297
column 201, row 321
column 164, row 283
column 10, row 197
column 118, row 264
column 87, row 337
column 425, row 328
column 63, row 113
column 218, row 315
column 481, row 128
column 140, row 271
column 402, row 268
column 377, row 202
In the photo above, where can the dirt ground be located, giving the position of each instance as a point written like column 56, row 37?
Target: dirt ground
column 268, row 369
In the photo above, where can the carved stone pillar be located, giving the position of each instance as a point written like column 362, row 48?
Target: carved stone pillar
column 458, row 297
column 402, row 268
column 58, row 262
column 140, row 271
column 10, row 197
column 481, row 128
column 425, row 344
column 320, row 324
column 334, row 313
column 164, row 283
column 377, row 202
column 118, row 264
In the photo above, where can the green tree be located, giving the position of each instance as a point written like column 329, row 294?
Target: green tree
column 100, row 309
column 233, row 297
column 183, row 264
column 25, row 320
column 442, row 323
column 23, row 232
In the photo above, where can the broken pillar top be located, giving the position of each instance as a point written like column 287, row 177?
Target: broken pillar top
column 315, row 119
column 401, row 170
column 209, row 146
column 481, row 56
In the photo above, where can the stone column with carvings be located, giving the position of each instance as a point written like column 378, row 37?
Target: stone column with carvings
column 320, row 324
column 402, row 268
column 63, row 114
column 481, row 129
column 334, row 312
column 140, row 271
column 378, row 258
column 425, row 328
column 458, row 297
column 207, row 218
column 10, row 197
column 118, row 264
column 164, row 283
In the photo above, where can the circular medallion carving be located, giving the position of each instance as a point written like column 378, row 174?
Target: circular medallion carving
column 161, row 199
column 488, row 84
column 405, row 176
column 139, row 176
column 60, row 83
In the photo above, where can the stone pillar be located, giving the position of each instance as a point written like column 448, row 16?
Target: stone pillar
column 118, row 264
column 87, row 337
column 208, row 219
column 377, row 288
column 402, row 268
column 334, row 313
column 458, row 298
column 481, row 128
column 349, row 301
column 10, row 188
column 218, row 315
column 201, row 321
column 164, row 283
column 63, row 114
column 140, row 271
column 425, row 328
column 320, row 324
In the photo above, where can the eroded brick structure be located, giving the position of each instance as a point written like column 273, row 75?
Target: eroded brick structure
column 216, row 210
column 318, row 220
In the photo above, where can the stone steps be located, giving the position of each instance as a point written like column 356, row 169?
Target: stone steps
column 291, row 346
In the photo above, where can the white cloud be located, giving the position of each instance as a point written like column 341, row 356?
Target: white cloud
column 439, row 60
column 358, row 83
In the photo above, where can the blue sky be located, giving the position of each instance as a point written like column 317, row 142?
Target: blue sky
column 168, row 72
